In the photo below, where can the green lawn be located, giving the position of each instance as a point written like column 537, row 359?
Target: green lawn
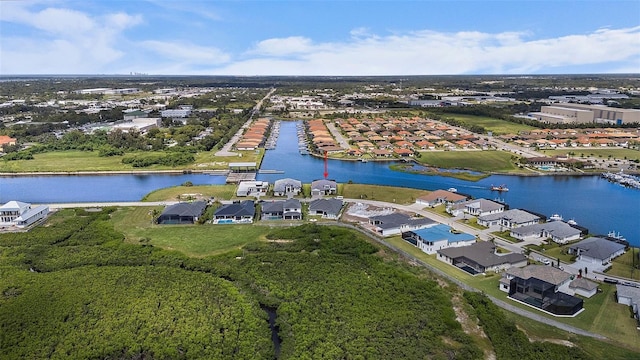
column 623, row 266
column 225, row 192
column 485, row 161
column 71, row 161
column 381, row 193
column 192, row 240
column 615, row 153
column 498, row 126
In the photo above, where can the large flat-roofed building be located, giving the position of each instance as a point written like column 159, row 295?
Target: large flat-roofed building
column 582, row 113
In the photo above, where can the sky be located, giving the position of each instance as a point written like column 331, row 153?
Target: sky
column 314, row 37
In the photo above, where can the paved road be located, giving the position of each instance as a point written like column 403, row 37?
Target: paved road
column 226, row 149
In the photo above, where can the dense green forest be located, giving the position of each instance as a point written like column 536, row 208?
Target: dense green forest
column 74, row 289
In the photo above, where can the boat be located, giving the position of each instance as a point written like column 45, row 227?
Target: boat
column 452, row 189
column 555, row 217
column 572, row 222
column 499, row 188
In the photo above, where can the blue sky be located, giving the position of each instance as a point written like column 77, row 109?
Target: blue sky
column 319, row 37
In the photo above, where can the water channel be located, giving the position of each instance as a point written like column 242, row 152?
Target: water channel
column 591, row 201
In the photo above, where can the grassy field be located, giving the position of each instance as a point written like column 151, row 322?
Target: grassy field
column 224, row 192
column 623, row 266
column 72, row 161
column 381, row 193
column 192, row 240
column 490, row 124
column 486, row 161
column 602, row 314
column 615, row 153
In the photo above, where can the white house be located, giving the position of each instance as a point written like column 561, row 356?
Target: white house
column 558, row 231
column 323, row 187
column 597, row 250
column 286, row 187
column 20, row 214
column 437, row 237
column 252, row 188
column 477, row 207
column 629, row 295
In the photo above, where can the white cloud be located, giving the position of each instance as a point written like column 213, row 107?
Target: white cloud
column 430, row 52
column 65, row 41
column 186, row 52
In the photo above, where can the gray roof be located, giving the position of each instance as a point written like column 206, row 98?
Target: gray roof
column 292, row 203
column 281, row 184
column 194, row 209
column 323, row 184
column 514, row 215
column 486, row 205
column 541, row 272
column 329, row 206
column 558, row 229
column 629, row 292
column 582, row 283
column 483, row 253
column 244, row 208
column 272, row 206
column 597, row 248
column 395, row 220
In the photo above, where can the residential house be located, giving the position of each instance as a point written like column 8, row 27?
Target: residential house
column 182, row 213
column 20, row 214
column 252, row 188
column 509, row 219
column 327, row 208
column 629, row 295
column 437, row 237
column 480, row 257
column 597, row 250
column 476, row 207
column 558, row 231
column 438, row 197
column 396, row 223
column 543, row 287
column 583, row 287
column 235, row 213
column 287, row 187
column 5, row 141
column 290, row 209
column 323, row 187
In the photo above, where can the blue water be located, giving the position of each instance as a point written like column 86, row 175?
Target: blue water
column 593, row 202
column 65, row 189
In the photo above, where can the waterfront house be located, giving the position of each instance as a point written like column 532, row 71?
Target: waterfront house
column 558, row 231
column 287, row 187
column 509, row 219
column 323, row 187
column 629, row 295
column 480, row 257
column 235, row 213
column 597, row 250
column 20, row 214
column 543, row 287
column 438, row 197
column 396, row 223
column 290, row 209
column 182, row 213
column 252, row 188
column 6, row 141
column 327, row 208
column 437, row 237
column 476, row 207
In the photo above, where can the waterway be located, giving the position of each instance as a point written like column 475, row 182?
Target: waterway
column 591, row 201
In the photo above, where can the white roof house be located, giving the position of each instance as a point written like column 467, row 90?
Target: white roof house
column 20, row 214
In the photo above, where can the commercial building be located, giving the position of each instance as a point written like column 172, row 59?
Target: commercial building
column 582, row 114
